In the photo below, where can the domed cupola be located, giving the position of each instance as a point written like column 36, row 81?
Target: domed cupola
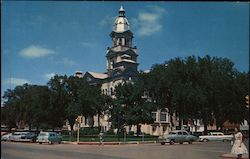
column 121, row 23
column 122, row 56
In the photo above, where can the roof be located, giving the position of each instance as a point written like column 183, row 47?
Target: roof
column 121, row 23
column 125, row 56
column 126, row 60
column 98, row 75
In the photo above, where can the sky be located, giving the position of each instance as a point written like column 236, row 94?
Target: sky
column 44, row 38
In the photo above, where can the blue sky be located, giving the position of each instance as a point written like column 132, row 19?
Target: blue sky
column 41, row 39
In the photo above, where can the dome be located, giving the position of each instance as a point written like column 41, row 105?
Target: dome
column 121, row 23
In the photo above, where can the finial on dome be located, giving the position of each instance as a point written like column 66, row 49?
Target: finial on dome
column 121, row 12
column 121, row 9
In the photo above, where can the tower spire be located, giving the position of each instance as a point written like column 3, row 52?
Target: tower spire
column 121, row 12
column 121, row 23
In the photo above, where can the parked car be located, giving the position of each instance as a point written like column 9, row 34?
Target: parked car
column 215, row 136
column 23, row 136
column 178, row 136
column 28, row 136
column 6, row 137
column 49, row 137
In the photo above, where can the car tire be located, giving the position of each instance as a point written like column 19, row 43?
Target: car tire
column 181, row 142
column 171, row 142
column 190, row 142
column 40, row 143
column 162, row 143
column 59, row 142
column 205, row 140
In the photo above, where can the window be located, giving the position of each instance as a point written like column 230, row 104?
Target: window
column 179, row 133
column 185, row 133
column 164, row 128
column 164, row 115
column 154, row 116
column 154, row 128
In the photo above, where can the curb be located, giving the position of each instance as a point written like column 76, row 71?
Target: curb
column 109, row 143
column 231, row 156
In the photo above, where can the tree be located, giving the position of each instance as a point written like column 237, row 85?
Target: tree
column 59, row 100
column 14, row 108
column 133, row 108
column 36, row 103
column 199, row 88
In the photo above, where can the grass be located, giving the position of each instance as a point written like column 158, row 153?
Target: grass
column 110, row 138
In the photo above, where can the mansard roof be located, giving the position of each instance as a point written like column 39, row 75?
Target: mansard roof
column 98, row 75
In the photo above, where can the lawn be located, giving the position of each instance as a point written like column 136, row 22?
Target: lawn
column 110, row 138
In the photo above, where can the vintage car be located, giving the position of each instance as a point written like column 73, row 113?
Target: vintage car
column 215, row 136
column 23, row 136
column 49, row 137
column 6, row 137
column 178, row 136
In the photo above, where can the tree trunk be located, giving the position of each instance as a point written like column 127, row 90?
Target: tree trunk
column 118, row 134
column 71, row 131
column 91, row 121
column 138, row 130
column 98, row 122
column 180, row 123
column 205, row 127
column 29, row 126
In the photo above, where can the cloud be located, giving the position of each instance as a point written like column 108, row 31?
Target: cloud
column 48, row 76
column 16, row 81
column 149, row 22
column 87, row 44
column 35, row 51
column 68, row 62
column 107, row 21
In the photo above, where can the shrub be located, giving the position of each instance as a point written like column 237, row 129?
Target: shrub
column 131, row 133
column 110, row 132
column 89, row 131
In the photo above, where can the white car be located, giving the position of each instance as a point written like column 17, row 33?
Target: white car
column 20, row 136
column 6, row 137
column 215, row 136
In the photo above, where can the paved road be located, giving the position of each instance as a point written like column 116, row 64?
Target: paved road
column 210, row 150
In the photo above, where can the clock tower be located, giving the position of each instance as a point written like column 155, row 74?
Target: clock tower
column 122, row 56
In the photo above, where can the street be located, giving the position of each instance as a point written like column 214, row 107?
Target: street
column 197, row 150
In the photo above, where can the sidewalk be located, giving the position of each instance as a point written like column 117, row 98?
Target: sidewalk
column 231, row 156
column 109, row 143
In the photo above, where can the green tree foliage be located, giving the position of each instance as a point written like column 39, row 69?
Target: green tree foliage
column 131, row 108
column 59, row 100
column 35, row 104
column 199, row 88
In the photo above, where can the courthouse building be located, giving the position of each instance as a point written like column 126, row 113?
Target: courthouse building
column 122, row 66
